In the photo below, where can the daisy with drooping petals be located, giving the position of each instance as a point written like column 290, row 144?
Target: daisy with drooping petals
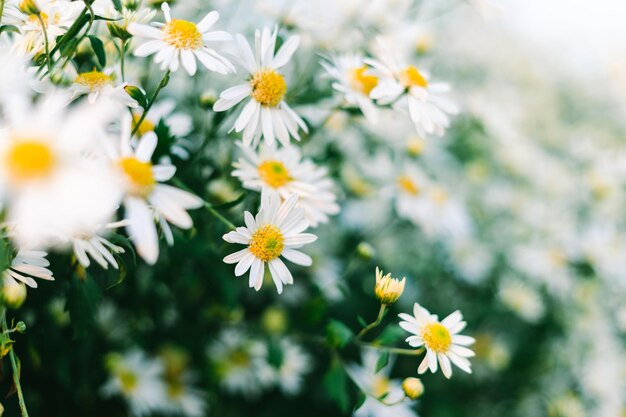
column 179, row 41
column 283, row 171
column 354, row 80
column 100, row 84
column 26, row 265
column 266, row 113
column 408, row 89
column 440, row 338
column 146, row 199
column 276, row 231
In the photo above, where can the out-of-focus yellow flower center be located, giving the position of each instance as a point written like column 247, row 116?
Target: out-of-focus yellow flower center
column 94, row 80
column 407, row 185
column 182, row 34
column 128, row 381
column 439, row 195
column 411, row 77
column 268, row 87
column 267, row 243
column 29, row 159
column 436, row 337
column 380, row 385
column 139, row 175
column 274, row 173
column 361, row 81
column 145, row 126
column 415, row 146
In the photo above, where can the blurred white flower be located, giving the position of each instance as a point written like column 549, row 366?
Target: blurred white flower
column 54, row 178
column 241, row 363
column 354, row 80
column 276, row 231
column 522, row 299
column 179, row 41
column 285, row 172
column 98, row 84
column 409, row 89
column 266, row 113
column 137, row 379
column 98, row 248
column 26, row 265
column 440, row 338
column 57, row 16
column 377, row 384
column 295, row 363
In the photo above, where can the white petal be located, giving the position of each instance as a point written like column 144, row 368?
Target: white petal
column 141, row 229
column 208, row 21
column 189, row 62
column 286, row 51
column 297, row 257
column 146, row 147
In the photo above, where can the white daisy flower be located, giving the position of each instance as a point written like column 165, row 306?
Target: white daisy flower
column 57, row 17
column 440, row 338
column 55, row 183
column 276, row 231
column 138, row 379
column 146, row 199
column 241, row 363
column 101, row 84
column 26, row 265
column 266, row 113
column 408, row 89
column 376, row 385
column 98, row 248
column 355, row 81
column 285, row 172
column 179, row 41
column 15, row 76
column 295, row 363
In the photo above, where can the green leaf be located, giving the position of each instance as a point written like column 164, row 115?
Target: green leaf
column 68, row 48
column 336, row 385
column 361, row 321
column 118, row 5
column 9, row 28
column 360, row 400
column 383, row 360
column 98, row 48
column 137, row 94
column 338, row 334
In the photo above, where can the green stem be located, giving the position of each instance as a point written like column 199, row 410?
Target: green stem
column 45, row 41
column 207, row 206
column 381, row 314
column 390, row 349
column 122, row 52
column 16, row 371
column 218, row 216
column 1, row 9
column 162, row 83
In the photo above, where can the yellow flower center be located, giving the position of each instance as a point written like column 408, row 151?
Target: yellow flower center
column 29, row 159
column 436, row 337
column 380, row 386
column 267, row 243
column 182, row 34
column 145, row 126
column 274, row 173
column 139, row 175
column 94, row 80
column 407, row 185
column 361, row 81
column 268, row 87
column 128, row 381
column 411, row 77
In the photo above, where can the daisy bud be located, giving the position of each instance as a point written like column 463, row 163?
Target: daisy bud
column 365, row 250
column 13, row 294
column 415, row 146
column 388, row 289
column 208, row 98
column 118, row 31
column 413, row 388
column 29, row 7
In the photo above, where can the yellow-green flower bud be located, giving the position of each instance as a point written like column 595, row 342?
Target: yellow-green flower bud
column 13, row 293
column 413, row 388
column 388, row 289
